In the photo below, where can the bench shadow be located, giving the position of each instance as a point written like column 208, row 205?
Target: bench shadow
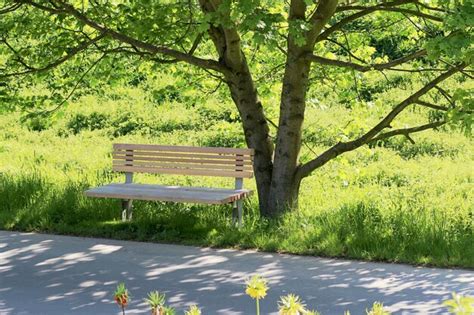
column 45, row 274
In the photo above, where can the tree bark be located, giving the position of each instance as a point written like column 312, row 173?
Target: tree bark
column 257, row 133
column 245, row 96
column 288, row 143
column 285, row 184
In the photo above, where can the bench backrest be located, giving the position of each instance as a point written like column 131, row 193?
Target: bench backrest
column 183, row 160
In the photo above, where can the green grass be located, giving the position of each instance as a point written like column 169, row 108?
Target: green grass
column 398, row 202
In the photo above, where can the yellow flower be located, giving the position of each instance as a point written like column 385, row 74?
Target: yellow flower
column 256, row 287
column 291, row 305
column 193, row 310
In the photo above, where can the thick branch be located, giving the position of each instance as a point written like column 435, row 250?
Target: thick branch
column 365, row 68
column 225, row 37
column 321, row 16
column 336, row 150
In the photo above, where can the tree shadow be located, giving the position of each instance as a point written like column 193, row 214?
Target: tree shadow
column 46, row 274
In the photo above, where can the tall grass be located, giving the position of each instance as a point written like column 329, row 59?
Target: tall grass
column 396, row 202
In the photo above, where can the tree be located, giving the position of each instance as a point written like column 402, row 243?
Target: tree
column 222, row 37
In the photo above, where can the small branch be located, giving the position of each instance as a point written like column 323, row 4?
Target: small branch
column 347, row 50
column 446, row 95
column 11, row 8
column 30, row 69
column 71, row 93
column 414, row 13
column 407, row 131
column 432, row 106
column 365, row 68
column 365, row 11
column 42, row 7
column 66, row 8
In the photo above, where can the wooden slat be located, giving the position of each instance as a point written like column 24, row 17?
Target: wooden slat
column 181, row 188
column 181, row 160
column 182, row 165
column 238, row 174
column 168, row 193
column 215, row 156
column 152, row 147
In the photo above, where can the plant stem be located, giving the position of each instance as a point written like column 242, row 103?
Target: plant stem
column 123, row 310
column 258, row 306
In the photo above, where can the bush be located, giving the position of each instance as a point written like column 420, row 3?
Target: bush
column 93, row 121
column 224, row 135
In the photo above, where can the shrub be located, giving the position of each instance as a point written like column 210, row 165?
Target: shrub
column 93, row 121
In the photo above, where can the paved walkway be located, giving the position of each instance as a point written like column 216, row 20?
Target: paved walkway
column 48, row 274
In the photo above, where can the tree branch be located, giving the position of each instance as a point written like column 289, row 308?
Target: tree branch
column 71, row 93
column 11, row 8
column 31, row 69
column 181, row 56
column 341, row 147
column 432, row 106
column 407, row 131
column 365, row 68
column 386, row 6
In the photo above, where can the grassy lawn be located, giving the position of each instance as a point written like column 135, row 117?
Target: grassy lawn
column 399, row 202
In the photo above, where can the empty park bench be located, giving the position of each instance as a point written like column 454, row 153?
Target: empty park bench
column 178, row 160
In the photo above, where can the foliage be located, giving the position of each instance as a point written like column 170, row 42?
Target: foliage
column 193, row 310
column 460, row 305
column 156, row 301
column 121, row 296
column 377, row 309
column 375, row 61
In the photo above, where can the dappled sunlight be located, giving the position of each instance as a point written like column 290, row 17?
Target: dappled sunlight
column 78, row 275
column 200, row 262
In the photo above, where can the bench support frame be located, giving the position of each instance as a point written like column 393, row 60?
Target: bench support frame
column 238, row 205
column 127, row 206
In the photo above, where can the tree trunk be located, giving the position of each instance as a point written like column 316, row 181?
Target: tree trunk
column 277, row 184
column 285, row 186
column 257, row 133
column 285, row 183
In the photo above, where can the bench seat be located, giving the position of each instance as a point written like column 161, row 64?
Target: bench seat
column 169, row 193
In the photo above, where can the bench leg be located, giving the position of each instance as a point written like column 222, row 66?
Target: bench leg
column 237, row 213
column 127, row 210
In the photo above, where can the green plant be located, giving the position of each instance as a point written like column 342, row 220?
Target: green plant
column 460, row 305
column 156, row 301
column 193, row 310
column 121, row 296
column 291, row 305
column 377, row 309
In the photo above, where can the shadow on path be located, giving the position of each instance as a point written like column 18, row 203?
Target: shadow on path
column 48, row 274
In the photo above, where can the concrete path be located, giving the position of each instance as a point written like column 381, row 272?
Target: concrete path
column 48, row 274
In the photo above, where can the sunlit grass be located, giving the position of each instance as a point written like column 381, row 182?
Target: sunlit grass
column 401, row 202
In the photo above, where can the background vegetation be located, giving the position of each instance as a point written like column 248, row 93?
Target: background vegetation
column 395, row 201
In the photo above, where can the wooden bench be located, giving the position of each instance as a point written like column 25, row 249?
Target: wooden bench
column 180, row 160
